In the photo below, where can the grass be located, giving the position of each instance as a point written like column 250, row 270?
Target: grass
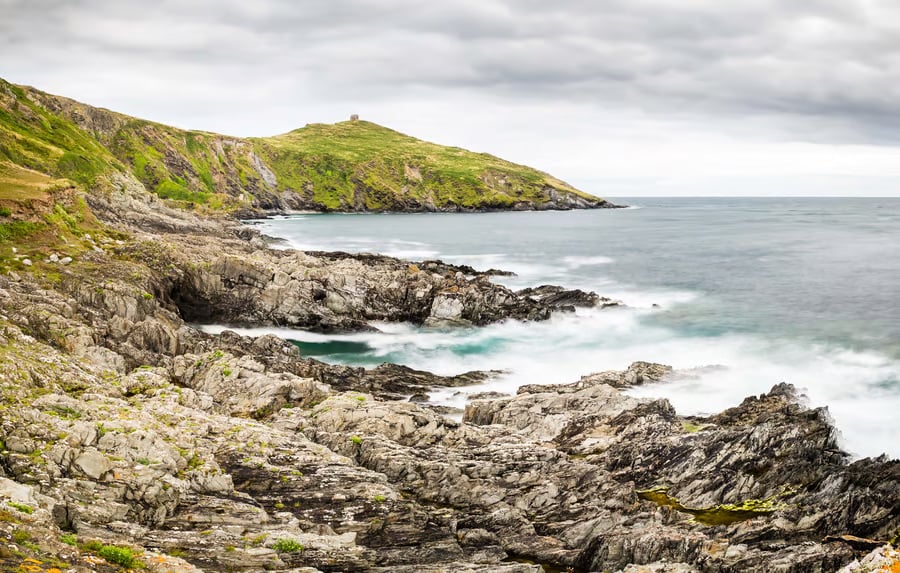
column 354, row 165
column 287, row 546
column 123, row 556
column 394, row 170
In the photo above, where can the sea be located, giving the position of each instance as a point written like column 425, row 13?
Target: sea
column 738, row 294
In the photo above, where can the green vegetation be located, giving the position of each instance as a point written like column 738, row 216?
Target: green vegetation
column 43, row 146
column 353, row 165
column 287, row 546
column 361, row 165
column 722, row 514
column 20, row 507
column 116, row 554
column 379, row 499
column 691, row 427
column 356, row 440
column 123, row 556
column 69, row 539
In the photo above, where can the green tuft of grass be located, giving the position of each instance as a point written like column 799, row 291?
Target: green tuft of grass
column 123, row 556
column 287, row 546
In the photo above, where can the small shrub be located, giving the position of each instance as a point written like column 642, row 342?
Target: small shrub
column 5, row 212
column 21, row 536
column 226, row 371
column 123, row 556
column 356, row 440
column 69, row 539
column 287, row 546
column 379, row 498
column 143, row 461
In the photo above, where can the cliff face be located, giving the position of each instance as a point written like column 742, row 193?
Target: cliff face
column 350, row 166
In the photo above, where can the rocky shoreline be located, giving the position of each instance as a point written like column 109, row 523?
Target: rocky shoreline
column 129, row 437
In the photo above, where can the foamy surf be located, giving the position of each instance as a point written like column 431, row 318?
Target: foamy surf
column 766, row 292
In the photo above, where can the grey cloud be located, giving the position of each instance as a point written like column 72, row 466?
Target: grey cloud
column 820, row 69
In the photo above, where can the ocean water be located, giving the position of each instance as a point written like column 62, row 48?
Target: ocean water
column 740, row 293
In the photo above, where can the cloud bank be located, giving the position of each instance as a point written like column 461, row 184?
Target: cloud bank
column 602, row 90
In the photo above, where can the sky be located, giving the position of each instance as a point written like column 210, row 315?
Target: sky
column 618, row 97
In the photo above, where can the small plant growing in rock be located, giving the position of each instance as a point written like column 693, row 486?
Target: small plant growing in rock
column 379, row 499
column 69, row 539
column 226, row 371
column 356, row 440
column 21, row 507
column 124, row 556
column 287, row 546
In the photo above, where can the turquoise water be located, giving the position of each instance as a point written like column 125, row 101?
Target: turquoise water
column 750, row 292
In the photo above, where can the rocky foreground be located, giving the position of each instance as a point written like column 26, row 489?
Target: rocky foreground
column 131, row 439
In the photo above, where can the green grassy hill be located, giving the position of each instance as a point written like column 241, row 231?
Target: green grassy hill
column 349, row 166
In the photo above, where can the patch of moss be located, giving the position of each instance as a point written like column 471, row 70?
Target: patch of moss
column 722, row 514
column 20, row 507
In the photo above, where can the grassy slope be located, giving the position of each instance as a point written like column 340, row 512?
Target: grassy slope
column 44, row 158
column 396, row 171
column 349, row 166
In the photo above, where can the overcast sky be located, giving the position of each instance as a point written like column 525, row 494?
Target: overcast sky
column 618, row 97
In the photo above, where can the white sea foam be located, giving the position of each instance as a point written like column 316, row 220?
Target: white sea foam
column 861, row 389
column 576, row 261
column 568, row 346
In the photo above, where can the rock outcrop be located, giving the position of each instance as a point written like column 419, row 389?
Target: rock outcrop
column 224, row 462
column 129, row 438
